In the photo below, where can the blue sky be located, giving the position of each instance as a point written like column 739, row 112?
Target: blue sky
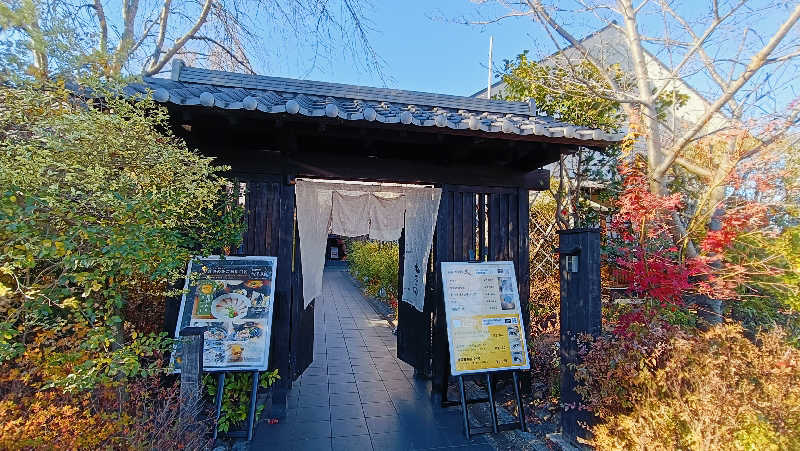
column 424, row 48
column 427, row 47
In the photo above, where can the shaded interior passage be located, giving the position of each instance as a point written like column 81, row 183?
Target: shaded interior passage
column 357, row 395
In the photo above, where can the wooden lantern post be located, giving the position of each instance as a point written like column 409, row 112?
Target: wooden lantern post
column 579, row 265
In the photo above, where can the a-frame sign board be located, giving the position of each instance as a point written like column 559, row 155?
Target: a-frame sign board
column 485, row 331
column 232, row 298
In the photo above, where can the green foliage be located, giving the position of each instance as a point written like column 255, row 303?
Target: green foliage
column 579, row 94
column 375, row 264
column 772, row 295
column 571, row 96
column 667, row 100
column 42, row 38
column 236, row 395
column 97, row 199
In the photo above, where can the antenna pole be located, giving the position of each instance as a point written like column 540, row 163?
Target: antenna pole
column 489, row 82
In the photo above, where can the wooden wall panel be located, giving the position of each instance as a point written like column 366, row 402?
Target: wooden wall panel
column 282, row 317
column 270, row 206
column 522, row 262
column 302, row 323
column 443, row 252
column 464, row 221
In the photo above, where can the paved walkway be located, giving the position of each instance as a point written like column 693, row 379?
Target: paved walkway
column 357, row 395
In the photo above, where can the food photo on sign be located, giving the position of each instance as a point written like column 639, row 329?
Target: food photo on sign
column 232, row 298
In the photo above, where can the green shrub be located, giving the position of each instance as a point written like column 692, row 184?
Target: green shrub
column 772, row 296
column 236, row 395
column 665, row 389
column 375, row 264
column 101, row 207
column 97, row 201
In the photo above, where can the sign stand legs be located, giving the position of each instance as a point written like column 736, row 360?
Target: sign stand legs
column 218, row 400
column 493, row 410
column 469, row 430
column 520, row 407
column 251, row 415
column 464, row 405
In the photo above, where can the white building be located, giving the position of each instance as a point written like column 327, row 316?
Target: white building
column 609, row 46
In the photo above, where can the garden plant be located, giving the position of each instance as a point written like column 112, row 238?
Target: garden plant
column 100, row 210
column 375, row 265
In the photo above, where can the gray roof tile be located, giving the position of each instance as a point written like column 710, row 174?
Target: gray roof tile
column 309, row 98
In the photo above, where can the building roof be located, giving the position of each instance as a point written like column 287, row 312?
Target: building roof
column 233, row 91
column 611, row 26
column 497, row 84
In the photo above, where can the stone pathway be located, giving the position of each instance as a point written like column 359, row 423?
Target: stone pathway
column 357, row 395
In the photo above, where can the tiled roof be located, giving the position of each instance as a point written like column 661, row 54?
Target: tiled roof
column 227, row 90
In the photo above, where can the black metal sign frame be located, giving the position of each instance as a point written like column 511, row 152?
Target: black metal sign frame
column 496, row 426
column 251, row 413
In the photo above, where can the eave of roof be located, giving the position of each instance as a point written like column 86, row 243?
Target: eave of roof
column 209, row 88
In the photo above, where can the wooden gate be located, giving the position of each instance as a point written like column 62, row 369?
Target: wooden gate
column 484, row 224
column 414, row 327
column 474, row 223
column 271, row 230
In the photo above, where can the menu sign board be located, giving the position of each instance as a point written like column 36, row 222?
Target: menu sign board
column 232, row 298
column 484, row 318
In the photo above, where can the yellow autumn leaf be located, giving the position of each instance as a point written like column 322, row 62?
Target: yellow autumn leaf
column 70, row 302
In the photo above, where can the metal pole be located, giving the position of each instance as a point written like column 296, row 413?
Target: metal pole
column 493, row 410
column 519, row 403
column 489, row 83
column 252, row 415
column 220, row 387
column 464, row 405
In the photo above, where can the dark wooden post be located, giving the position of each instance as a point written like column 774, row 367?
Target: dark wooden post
column 579, row 264
column 281, row 321
column 191, row 370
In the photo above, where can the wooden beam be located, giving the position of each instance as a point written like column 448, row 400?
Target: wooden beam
column 347, row 167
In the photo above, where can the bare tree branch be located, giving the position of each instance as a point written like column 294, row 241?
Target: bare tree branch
column 536, row 6
column 756, row 63
column 146, row 34
column 130, row 8
column 783, row 58
column 158, row 64
column 101, row 21
column 219, row 45
column 694, row 168
column 162, row 31
column 697, row 43
column 791, row 121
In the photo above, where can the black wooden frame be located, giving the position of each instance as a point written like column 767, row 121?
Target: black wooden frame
column 476, row 223
column 272, row 230
column 483, row 215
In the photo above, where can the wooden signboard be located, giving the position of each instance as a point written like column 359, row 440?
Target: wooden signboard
column 233, row 299
column 484, row 319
